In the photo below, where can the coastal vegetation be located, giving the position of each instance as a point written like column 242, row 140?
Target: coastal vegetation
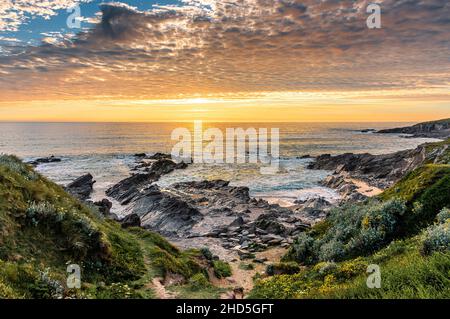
column 405, row 231
column 43, row 230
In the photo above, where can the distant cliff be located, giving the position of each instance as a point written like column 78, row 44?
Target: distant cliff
column 434, row 129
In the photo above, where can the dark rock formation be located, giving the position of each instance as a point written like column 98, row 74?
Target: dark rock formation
column 162, row 167
column 82, row 187
column 160, row 156
column 434, row 129
column 357, row 176
column 378, row 170
column 104, row 207
column 44, row 160
column 164, row 212
column 131, row 220
column 127, row 189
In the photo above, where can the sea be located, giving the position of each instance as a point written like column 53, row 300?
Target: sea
column 106, row 150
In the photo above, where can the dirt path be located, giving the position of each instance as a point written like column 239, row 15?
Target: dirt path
column 160, row 290
column 244, row 278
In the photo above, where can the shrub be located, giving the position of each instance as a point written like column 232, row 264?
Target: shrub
column 332, row 250
column 198, row 282
column 15, row 165
column 246, row 266
column 437, row 238
column 351, row 268
column 302, row 250
column 325, row 268
column 355, row 229
column 206, row 253
column 222, row 269
column 283, row 268
column 443, row 216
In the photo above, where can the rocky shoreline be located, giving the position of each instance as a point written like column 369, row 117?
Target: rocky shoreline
column 225, row 218
column 434, row 129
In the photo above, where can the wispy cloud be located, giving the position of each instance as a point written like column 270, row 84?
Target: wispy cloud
column 208, row 46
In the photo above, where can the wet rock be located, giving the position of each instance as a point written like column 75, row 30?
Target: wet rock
column 270, row 224
column 164, row 212
column 127, row 189
column 162, row 167
column 237, row 222
column 160, row 156
column 45, row 160
column 104, row 206
column 140, row 155
column 82, row 187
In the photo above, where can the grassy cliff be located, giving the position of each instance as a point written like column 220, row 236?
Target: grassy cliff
column 405, row 231
column 43, row 229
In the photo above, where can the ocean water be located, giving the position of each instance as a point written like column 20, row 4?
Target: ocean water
column 106, row 151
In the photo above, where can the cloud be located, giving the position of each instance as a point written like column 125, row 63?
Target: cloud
column 209, row 47
column 13, row 13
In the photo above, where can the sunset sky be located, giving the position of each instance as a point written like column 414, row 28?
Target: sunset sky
column 233, row 60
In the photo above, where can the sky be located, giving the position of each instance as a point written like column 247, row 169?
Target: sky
column 233, row 60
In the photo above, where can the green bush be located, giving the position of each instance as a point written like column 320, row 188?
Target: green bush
column 355, row 229
column 282, row 268
column 199, row 282
column 222, row 269
column 302, row 250
column 443, row 216
column 206, row 253
column 437, row 238
column 15, row 165
column 246, row 266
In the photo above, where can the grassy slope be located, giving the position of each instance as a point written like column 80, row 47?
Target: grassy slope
column 43, row 229
column 406, row 271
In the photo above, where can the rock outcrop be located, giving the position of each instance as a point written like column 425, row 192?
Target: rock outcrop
column 357, row 176
column 45, row 160
column 434, row 129
column 377, row 170
column 129, row 188
column 82, row 187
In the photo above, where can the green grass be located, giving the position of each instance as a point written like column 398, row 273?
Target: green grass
column 222, row 269
column 405, row 273
column 43, row 229
column 414, row 259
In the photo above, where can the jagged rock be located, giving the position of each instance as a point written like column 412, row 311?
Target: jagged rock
column 104, row 206
column 376, row 170
column 160, row 156
column 434, row 129
column 270, row 224
column 214, row 184
column 140, row 155
column 82, row 187
column 131, row 220
column 162, row 167
column 127, row 189
column 45, row 160
column 181, row 165
column 237, row 222
column 164, row 212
